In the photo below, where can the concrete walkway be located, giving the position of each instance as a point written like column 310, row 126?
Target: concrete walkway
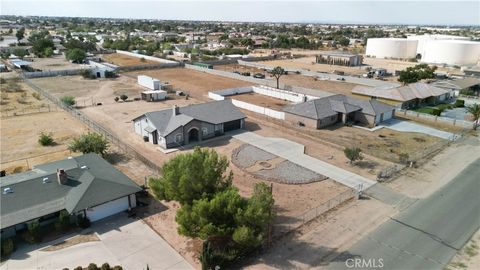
column 407, row 126
column 295, row 153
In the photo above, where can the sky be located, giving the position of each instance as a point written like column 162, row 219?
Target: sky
column 367, row 12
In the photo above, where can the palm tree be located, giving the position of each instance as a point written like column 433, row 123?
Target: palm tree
column 474, row 110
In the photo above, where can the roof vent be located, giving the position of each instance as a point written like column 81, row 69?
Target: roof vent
column 7, row 190
column 70, row 158
column 84, row 167
column 46, row 180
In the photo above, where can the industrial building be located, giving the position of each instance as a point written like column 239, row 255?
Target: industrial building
column 394, row 48
column 431, row 49
column 339, row 59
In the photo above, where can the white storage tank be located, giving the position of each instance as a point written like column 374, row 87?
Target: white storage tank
column 452, row 52
column 424, row 39
column 149, row 82
column 397, row 48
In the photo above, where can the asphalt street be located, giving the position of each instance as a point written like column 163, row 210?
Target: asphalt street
column 427, row 234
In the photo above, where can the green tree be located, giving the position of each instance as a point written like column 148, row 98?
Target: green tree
column 474, row 110
column 20, row 33
column 192, row 176
column 76, row 55
column 353, row 154
column 278, row 72
column 45, row 139
column 89, row 143
column 20, row 53
column 417, row 73
column 68, row 100
column 42, row 47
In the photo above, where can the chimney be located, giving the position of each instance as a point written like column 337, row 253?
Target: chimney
column 176, row 110
column 62, row 176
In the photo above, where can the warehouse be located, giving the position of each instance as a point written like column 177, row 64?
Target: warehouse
column 339, row 59
column 194, row 123
column 392, row 48
column 86, row 185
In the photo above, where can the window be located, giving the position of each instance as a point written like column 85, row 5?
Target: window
column 333, row 118
column 204, row 131
column 179, row 137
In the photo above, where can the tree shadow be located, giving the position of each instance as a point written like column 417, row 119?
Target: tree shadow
column 115, row 157
column 366, row 164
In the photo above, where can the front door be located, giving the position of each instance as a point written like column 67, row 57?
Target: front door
column 193, row 135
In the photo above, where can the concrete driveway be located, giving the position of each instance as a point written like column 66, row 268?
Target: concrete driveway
column 126, row 242
column 407, row 126
column 295, row 153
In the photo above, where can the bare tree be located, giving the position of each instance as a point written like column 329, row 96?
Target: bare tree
column 277, row 72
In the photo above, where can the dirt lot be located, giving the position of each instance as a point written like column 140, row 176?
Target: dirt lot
column 55, row 63
column 241, row 69
column 334, row 87
column 196, row 84
column 88, row 92
column 262, row 100
column 19, row 98
column 20, row 147
column 125, row 60
column 308, row 63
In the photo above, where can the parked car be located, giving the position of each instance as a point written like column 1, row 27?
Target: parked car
column 259, row 76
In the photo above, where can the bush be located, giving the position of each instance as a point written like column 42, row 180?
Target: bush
column 78, row 268
column 92, row 266
column 33, row 230
column 353, row 154
column 83, row 222
column 117, row 99
column 124, row 97
column 7, row 247
column 68, row 100
column 117, row 267
column 403, row 157
column 86, row 73
column 89, row 143
column 63, row 222
column 105, row 266
column 36, row 96
column 110, row 74
column 45, row 139
column 459, row 103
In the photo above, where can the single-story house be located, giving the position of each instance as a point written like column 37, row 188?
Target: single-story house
column 456, row 86
column 86, row 185
column 405, row 97
column 183, row 125
column 326, row 111
column 18, row 63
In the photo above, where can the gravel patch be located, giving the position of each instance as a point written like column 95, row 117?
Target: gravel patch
column 290, row 173
column 247, row 155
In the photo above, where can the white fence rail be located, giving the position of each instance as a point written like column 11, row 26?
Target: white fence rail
column 147, row 57
column 451, row 121
column 259, row 109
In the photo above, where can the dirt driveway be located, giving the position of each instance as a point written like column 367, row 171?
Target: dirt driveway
column 123, row 241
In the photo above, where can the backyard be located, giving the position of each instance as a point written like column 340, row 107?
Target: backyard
column 125, row 60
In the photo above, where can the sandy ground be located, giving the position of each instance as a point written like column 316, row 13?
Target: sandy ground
column 335, row 87
column 468, row 257
column 439, row 170
column 196, row 84
column 54, row 63
column 241, row 69
column 21, row 102
column 262, row 100
column 431, row 123
column 125, row 60
column 308, row 63
column 19, row 138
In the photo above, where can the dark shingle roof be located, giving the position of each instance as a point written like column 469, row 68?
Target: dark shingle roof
column 332, row 105
column 214, row 112
column 95, row 184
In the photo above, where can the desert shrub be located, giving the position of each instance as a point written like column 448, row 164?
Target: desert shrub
column 86, row 73
column 78, row 268
column 68, row 100
column 143, row 59
column 117, row 267
column 18, row 169
column 92, row 266
column 36, row 96
column 403, row 157
column 105, row 266
column 117, row 99
column 459, row 103
column 33, row 228
column 89, row 143
column 45, row 139
column 7, row 247
column 63, row 222
column 353, row 154
column 124, row 97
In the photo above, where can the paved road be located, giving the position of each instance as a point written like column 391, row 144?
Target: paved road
column 426, row 235
column 295, row 153
column 408, row 126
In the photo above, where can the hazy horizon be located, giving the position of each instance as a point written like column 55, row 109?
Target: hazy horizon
column 447, row 13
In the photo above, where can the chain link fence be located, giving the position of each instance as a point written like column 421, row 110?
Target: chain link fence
column 124, row 147
column 26, row 111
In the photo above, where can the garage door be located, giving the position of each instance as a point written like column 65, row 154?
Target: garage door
column 232, row 125
column 107, row 209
